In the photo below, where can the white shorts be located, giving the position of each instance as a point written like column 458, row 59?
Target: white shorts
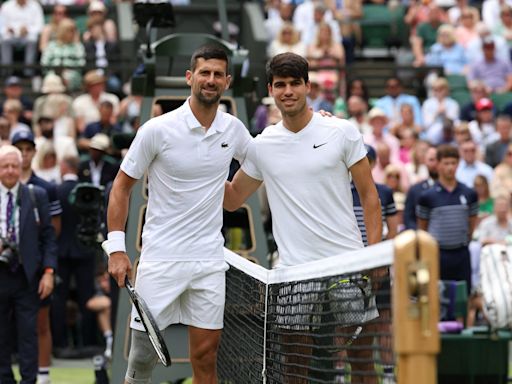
column 186, row 292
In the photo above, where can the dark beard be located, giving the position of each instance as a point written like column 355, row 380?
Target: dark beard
column 47, row 134
column 208, row 101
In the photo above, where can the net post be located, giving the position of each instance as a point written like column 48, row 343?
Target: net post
column 416, row 307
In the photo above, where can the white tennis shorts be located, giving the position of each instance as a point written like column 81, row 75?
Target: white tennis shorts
column 186, row 292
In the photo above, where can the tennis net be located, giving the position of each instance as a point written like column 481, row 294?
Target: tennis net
column 328, row 321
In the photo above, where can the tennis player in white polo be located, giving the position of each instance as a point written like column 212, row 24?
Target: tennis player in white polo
column 181, row 275
column 306, row 161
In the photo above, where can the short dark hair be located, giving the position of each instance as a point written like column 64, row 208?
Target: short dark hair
column 208, row 52
column 447, row 151
column 288, row 65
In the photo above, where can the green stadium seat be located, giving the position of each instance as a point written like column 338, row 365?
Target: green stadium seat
column 461, row 96
column 457, row 82
column 382, row 26
column 500, row 100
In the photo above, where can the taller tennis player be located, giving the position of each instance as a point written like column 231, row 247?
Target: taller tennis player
column 306, row 161
column 181, row 275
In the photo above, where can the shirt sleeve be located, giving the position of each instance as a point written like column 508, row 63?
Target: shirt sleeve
column 423, row 207
column 142, row 151
column 250, row 166
column 352, row 149
column 243, row 140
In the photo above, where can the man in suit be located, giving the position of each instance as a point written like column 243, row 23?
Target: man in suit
column 99, row 169
column 75, row 260
column 495, row 151
column 27, row 277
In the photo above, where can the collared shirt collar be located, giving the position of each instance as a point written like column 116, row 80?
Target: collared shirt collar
column 14, row 190
column 193, row 123
column 70, row 177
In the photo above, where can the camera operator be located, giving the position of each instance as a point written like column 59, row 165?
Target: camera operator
column 76, row 261
column 25, row 142
column 27, row 263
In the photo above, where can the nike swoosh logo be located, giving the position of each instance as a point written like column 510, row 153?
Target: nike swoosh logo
column 319, row 145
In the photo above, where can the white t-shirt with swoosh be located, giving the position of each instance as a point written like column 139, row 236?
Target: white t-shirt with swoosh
column 306, row 175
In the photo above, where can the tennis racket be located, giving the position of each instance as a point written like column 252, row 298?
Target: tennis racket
column 149, row 323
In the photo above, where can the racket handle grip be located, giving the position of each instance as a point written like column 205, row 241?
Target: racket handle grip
column 127, row 282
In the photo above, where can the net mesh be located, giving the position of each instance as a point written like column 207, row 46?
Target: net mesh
column 321, row 322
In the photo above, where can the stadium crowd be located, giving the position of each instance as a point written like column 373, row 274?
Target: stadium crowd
column 65, row 133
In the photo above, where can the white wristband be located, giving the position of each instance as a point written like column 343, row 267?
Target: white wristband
column 115, row 242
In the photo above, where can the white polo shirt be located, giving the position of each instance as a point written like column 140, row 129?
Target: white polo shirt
column 187, row 168
column 306, row 175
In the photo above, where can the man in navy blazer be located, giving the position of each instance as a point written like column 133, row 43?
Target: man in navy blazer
column 29, row 276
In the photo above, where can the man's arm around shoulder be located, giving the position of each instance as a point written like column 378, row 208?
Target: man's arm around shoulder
column 238, row 190
column 362, row 177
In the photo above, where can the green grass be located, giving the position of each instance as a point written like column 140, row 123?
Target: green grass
column 68, row 375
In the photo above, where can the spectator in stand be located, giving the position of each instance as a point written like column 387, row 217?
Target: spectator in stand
column 99, row 169
column 12, row 112
column 54, row 103
column 494, row 72
column 485, row 200
column 266, row 114
column 86, row 106
column 325, row 51
column 495, row 228
column 394, row 98
column 416, row 169
column 467, row 30
column 65, row 51
column 437, row 108
column 447, row 52
column 454, row 12
column 274, row 23
column 406, row 122
column 483, row 128
column 13, row 90
column 478, row 91
column 504, row 29
column 308, row 35
column 45, row 163
column 491, row 11
column 288, row 40
column 461, row 133
column 448, row 211
column 475, row 52
column 21, row 22
column 469, row 166
column 407, row 138
column 379, row 121
column 49, row 32
column 392, row 179
column 414, row 193
column 103, row 125
column 64, row 145
column 358, row 112
column 100, row 52
column 355, row 87
column 129, row 110
column 316, row 98
column 348, row 14
column 5, row 129
column 383, row 160
column 496, row 150
column 418, row 12
column 426, row 34
column 502, row 178
column 98, row 12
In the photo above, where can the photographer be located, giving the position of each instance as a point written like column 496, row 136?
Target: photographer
column 27, row 264
column 75, row 261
